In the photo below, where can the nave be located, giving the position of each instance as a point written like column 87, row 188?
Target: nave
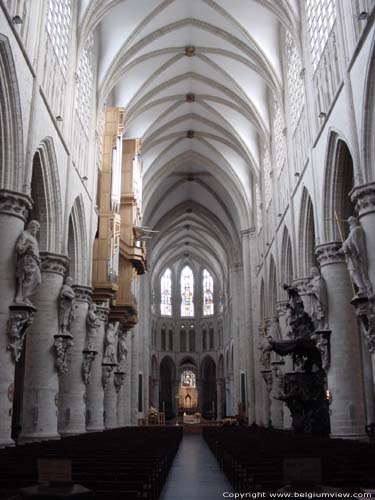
column 195, row 473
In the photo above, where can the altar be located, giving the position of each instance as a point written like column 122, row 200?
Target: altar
column 188, row 393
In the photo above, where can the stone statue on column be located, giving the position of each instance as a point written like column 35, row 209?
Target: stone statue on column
column 317, row 289
column 122, row 353
column 354, row 248
column 28, row 275
column 28, row 278
column 66, row 309
column 90, row 351
column 92, row 323
column 109, row 357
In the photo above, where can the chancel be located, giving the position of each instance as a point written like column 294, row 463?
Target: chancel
column 187, row 271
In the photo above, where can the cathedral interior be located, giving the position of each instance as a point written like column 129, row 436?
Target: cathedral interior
column 187, row 271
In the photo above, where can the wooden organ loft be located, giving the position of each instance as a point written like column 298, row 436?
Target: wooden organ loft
column 119, row 252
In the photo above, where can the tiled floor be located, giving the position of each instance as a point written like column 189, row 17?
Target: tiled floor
column 195, row 473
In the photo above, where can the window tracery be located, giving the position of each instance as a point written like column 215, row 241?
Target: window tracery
column 188, row 379
column 166, row 293
column 320, row 16
column 295, row 82
column 187, row 292
column 59, row 21
column 208, row 294
column 85, row 79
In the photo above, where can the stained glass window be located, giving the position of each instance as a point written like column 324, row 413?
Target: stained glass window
column 188, row 379
column 59, row 22
column 187, row 292
column 166, row 293
column 208, row 293
column 320, row 15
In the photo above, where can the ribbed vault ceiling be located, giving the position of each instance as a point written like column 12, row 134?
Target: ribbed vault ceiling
column 194, row 77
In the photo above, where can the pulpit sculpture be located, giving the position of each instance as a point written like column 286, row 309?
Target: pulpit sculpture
column 304, row 389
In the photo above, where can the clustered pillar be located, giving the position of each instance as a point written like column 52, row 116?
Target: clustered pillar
column 41, row 386
column 72, row 387
column 345, row 380
column 14, row 209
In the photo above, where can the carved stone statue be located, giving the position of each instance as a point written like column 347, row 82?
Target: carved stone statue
column 66, row 311
column 18, row 323
column 28, row 274
column 93, row 323
column 317, row 290
column 121, row 348
column 354, row 247
column 109, row 357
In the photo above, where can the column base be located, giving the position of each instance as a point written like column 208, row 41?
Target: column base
column 31, row 438
column 72, row 432
column 4, row 443
column 95, row 429
column 352, row 437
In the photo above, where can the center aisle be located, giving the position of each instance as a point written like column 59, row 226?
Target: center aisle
column 195, row 473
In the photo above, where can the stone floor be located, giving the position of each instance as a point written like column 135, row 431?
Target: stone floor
column 195, row 473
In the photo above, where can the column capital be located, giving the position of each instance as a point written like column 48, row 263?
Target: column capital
column 102, row 310
column 54, row 263
column 328, row 253
column 364, row 198
column 15, row 204
column 83, row 293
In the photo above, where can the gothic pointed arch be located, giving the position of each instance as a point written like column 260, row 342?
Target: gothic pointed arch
column 307, row 233
column 46, row 194
column 338, row 184
column 11, row 135
column 77, row 242
column 368, row 120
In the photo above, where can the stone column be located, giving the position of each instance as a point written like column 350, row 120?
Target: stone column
column 119, row 381
column 247, row 329
column 267, row 376
column 14, row 208
column 110, row 398
column 155, row 392
column 277, row 406
column 345, row 379
column 220, row 396
column 364, row 198
column 40, row 398
column 72, row 388
column 94, row 388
